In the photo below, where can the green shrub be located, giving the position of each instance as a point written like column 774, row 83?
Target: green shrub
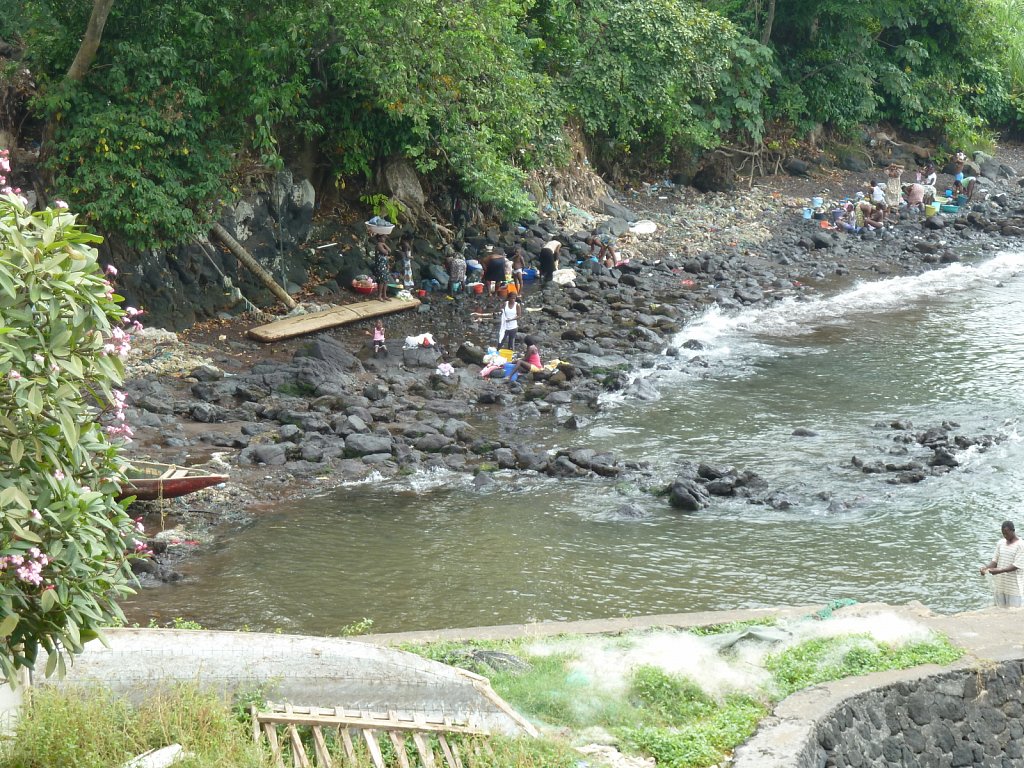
column 823, row 659
column 63, row 536
column 92, row 728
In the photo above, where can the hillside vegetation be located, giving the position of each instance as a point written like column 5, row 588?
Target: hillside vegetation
column 144, row 122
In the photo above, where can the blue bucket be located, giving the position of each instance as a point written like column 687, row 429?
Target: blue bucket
column 807, row 213
column 817, row 202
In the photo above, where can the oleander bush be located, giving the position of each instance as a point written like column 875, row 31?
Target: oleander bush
column 65, row 541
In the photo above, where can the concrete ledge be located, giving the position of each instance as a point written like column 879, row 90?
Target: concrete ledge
column 589, row 627
column 309, row 671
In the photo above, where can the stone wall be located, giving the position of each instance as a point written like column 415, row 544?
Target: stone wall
column 968, row 716
column 961, row 718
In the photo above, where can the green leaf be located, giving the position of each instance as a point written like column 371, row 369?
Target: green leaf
column 51, row 662
column 29, row 535
column 17, row 450
column 14, row 495
column 72, row 365
column 68, row 427
column 8, row 285
column 8, row 624
column 48, row 600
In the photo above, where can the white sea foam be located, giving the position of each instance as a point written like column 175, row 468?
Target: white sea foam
column 721, row 331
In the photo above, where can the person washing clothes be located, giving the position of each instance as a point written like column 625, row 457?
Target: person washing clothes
column 529, row 364
column 877, row 192
column 548, row 260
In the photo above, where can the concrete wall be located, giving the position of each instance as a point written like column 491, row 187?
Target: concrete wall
column 10, row 703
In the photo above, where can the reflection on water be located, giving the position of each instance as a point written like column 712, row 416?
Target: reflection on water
column 944, row 346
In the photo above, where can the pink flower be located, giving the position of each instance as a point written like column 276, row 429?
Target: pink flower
column 58, row 474
column 60, row 204
column 111, row 270
column 14, row 375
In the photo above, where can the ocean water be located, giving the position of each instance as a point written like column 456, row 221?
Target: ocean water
column 429, row 551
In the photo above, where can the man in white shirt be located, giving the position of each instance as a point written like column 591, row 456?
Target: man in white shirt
column 1007, row 568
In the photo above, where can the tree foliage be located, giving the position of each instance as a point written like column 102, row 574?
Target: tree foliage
column 63, row 537
column 184, row 98
column 936, row 68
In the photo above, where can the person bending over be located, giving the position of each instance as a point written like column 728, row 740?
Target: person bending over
column 548, row 260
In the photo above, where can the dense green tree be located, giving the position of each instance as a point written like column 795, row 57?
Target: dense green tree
column 933, row 67
column 183, row 102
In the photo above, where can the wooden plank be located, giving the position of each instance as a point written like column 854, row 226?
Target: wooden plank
column 449, row 758
column 323, row 756
column 370, row 737
column 349, row 747
column 275, row 747
column 399, row 744
column 425, row 752
column 455, row 753
column 299, row 325
column 367, row 721
column 298, row 750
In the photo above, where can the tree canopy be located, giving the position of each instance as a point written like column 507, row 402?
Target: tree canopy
column 184, row 100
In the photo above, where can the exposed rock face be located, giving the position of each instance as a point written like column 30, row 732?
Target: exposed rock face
column 197, row 280
column 715, row 175
column 404, row 183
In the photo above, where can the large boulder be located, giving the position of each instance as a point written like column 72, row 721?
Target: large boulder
column 421, row 357
column 687, row 494
column 404, row 185
column 616, row 210
column 358, row 444
column 794, row 166
column 715, row 174
column 332, row 352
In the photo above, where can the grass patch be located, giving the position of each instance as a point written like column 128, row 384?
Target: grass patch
column 703, row 741
column 683, row 726
column 823, row 659
column 92, row 728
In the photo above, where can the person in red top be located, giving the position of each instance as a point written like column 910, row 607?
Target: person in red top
column 529, row 364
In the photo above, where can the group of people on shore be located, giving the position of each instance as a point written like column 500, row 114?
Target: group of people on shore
column 501, row 272
column 883, row 202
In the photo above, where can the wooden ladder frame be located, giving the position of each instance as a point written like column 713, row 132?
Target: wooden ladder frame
column 365, row 725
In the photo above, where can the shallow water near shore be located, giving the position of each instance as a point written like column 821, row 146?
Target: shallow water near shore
column 429, row 551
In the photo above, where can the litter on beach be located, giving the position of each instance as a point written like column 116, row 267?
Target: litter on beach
column 422, row 340
column 644, row 227
column 563, row 276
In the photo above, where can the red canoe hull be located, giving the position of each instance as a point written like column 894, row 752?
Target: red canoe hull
column 147, row 490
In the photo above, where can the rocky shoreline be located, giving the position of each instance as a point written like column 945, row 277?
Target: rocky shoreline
column 299, row 417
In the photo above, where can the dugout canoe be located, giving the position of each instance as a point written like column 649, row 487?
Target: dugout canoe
column 149, row 480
